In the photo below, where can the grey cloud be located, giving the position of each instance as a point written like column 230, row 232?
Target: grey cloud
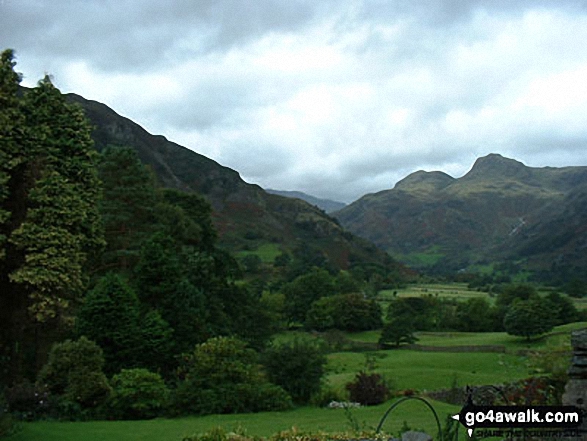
column 131, row 34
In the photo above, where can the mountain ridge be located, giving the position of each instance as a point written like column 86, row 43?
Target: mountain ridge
column 328, row 205
column 244, row 215
column 498, row 211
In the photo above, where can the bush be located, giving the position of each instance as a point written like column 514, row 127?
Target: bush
column 368, row 389
column 222, row 376
column 7, row 425
column 74, row 372
column 137, row 394
column 27, row 400
column 297, row 366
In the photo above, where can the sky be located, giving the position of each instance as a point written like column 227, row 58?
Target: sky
column 334, row 98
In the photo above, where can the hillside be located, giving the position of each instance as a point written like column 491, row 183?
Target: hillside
column 327, row 205
column 500, row 211
column 245, row 216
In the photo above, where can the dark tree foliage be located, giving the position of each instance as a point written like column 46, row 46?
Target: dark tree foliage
column 222, row 375
column 347, row 312
column 305, row 290
column 420, row 310
column 74, row 372
column 562, row 310
column 127, row 208
column 398, row 331
column 298, row 366
column 475, row 315
column 112, row 317
column 528, row 318
column 49, row 221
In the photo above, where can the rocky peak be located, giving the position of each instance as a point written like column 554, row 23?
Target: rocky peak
column 495, row 165
column 425, row 181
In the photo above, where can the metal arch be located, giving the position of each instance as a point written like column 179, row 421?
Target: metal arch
column 394, row 405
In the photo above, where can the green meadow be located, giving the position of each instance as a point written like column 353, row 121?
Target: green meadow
column 406, row 369
column 414, row 413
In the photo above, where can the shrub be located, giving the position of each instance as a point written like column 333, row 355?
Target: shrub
column 27, row 400
column 137, row 394
column 74, row 372
column 368, row 389
column 7, row 426
column 222, row 376
column 297, row 366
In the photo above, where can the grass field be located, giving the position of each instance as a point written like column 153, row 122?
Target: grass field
column 407, row 369
column 427, row 371
column 267, row 252
column 414, row 413
column 560, row 335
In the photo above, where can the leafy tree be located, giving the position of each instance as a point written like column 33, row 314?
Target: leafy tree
column 528, row 318
column 305, row 290
column 398, row 331
column 417, row 308
column 222, row 375
column 562, row 310
column 74, row 371
column 49, row 221
column 507, row 297
column 195, row 220
column 475, row 315
column 349, row 312
column 298, row 366
column 576, row 288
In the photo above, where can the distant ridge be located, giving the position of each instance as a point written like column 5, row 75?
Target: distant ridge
column 244, row 214
column 327, row 205
column 501, row 211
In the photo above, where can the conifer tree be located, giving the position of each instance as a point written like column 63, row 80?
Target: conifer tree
column 48, row 211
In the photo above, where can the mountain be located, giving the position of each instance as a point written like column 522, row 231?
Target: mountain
column 325, row 204
column 246, row 216
column 501, row 211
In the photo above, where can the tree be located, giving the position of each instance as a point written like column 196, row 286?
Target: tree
column 222, row 375
column 475, row 315
column 562, row 310
column 74, row 371
column 49, row 222
column 305, row 290
column 127, row 208
column 297, row 366
column 398, row 331
column 528, row 318
column 112, row 317
column 348, row 312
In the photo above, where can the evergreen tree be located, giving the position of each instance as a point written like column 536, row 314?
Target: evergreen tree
column 48, row 218
column 129, row 335
column 127, row 208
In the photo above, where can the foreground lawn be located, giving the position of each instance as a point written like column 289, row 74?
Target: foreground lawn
column 414, row 413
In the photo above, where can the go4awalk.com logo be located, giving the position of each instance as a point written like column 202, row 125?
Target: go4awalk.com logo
column 559, row 418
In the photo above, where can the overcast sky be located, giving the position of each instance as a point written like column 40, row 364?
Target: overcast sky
column 335, row 98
